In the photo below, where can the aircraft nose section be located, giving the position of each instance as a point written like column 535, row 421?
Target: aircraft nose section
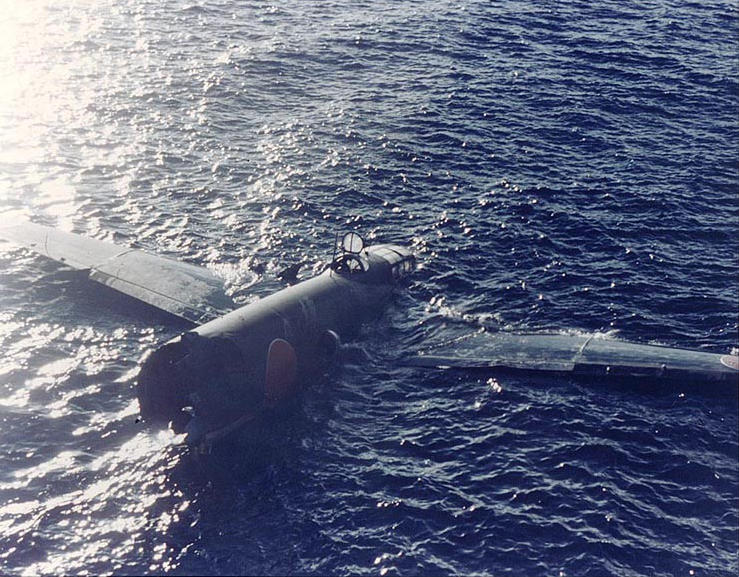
column 401, row 259
column 407, row 263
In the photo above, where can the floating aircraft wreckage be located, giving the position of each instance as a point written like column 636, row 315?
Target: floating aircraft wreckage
column 239, row 361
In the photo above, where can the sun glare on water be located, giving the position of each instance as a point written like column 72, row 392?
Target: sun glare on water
column 44, row 58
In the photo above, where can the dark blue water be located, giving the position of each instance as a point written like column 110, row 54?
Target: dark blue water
column 557, row 167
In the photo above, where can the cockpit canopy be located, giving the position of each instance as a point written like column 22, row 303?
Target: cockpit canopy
column 350, row 260
column 350, row 264
column 386, row 263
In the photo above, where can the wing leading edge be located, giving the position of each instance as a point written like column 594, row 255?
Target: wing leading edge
column 184, row 290
column 578, row 355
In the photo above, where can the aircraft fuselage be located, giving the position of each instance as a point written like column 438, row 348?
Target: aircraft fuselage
column 256, row 356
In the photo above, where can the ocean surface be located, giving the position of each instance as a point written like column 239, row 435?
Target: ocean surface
column 565, row 167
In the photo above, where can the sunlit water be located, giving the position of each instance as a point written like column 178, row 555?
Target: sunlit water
column 561, row 168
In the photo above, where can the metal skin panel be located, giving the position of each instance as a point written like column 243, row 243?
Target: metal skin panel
column 634, row 360
column 491, row 350
column 72, row 249
column 578, row 355
column 184, row 290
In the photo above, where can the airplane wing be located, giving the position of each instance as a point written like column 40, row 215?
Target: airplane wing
column 577, row 355
column 184, row 290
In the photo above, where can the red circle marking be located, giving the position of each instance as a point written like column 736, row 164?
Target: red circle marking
column 279, row 380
